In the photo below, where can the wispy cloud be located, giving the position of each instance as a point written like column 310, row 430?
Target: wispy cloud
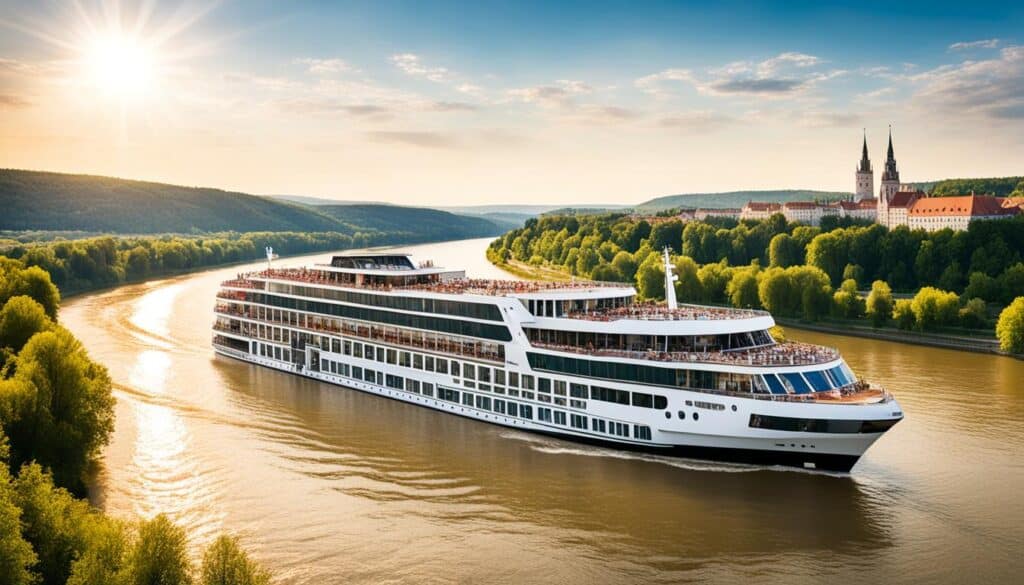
column 983, row 44
column 330, row 106
column 420, row 139
column 991, row 88
column 413, row 65
column 561, row 93
column 324, row 66
column 452, row 107
column 782, row 75
column 8, row 101
column 697, row 122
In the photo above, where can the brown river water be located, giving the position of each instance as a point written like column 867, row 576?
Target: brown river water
column 328, row 485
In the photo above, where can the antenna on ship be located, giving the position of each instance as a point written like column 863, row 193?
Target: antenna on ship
column 670, row 280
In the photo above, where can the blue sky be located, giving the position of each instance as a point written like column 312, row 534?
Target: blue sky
column 451, row 103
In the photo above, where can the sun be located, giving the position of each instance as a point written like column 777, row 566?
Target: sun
column 120, row 66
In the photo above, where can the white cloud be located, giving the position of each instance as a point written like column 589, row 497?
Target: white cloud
column 782, row 75
column 983, row 44
column 413, row 65
column 561, row 93
column 324, row 66
column 991, row 88
column 697, row 122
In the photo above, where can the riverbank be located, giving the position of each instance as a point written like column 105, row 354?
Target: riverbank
column 975, row 344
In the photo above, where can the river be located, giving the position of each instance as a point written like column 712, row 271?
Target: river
column 328, row 485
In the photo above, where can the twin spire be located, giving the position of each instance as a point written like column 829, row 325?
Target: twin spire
column 891, row 171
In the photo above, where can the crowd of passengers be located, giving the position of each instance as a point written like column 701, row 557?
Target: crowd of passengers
column 653, row 311
column 779, row 354
column 483, row 286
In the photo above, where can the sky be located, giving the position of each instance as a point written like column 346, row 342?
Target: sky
column 463, row 103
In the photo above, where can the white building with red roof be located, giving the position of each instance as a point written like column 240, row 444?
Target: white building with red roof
column 937, row 213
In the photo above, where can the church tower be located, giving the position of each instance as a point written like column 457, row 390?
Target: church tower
column 865, row 175
column 890, row 185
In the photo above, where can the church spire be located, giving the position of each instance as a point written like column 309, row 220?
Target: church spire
column 891, row 174
column 865, row 162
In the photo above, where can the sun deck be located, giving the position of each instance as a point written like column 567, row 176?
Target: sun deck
column 789, row 353
column 400, row 282
column 657, row 312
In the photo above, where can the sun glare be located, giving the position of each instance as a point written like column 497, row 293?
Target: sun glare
column 120, row 66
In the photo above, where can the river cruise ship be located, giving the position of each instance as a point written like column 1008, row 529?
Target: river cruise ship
column 584, row 361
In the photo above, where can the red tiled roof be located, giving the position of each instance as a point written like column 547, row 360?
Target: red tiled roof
column 763, row 206
column 904, row 198
column 869, row 203
column 964, row 205
column 800, row 205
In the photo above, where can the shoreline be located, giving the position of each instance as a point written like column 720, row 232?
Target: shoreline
column 953, row 342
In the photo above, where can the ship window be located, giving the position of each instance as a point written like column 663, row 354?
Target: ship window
column 840, row 375
column 513, row 408
column 559, row 417
column 469, row 383
column 467, row 399
column 599, row 425
column 800, row 385
column 696, row 416
column 369, row 375
column 817, row 381
column 455, row 368
column 578, row 421
column 357, row 372
column 485, row 387
column 412, row 385
column 774, row 385
column 681, row 415
column 483, row 402
column 660, row 402
column 643, row 400
column 544, row 385
column 527, row 382
column 813, row 425
column 382, row 355
column 499, row 376
column 483, row 374
column 392, row 356
column 526, row 411
column 428, row 389
column 560, row 388
column 544, row 414
column 404, row 359
column 442, row 366
column 642, row 432
column 357, row 350
column 499, row 406
column 396, row 382
column 469, row 372
column 609, row 395
column 428, row 363
column 513, row 379
column 577, row 390
column 336, row 345
column 347, row 348
column 417, row 361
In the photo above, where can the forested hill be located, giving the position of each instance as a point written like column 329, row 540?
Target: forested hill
column 998, row 186
column 736, row 199
column 432, row 224
column 33, row 200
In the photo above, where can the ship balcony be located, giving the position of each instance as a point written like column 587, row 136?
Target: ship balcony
column 655, row 312
column 789, row 353
column 243, row 283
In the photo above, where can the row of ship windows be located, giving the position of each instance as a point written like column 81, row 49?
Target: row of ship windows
column 486, row 311
column 788, row 383
column 480, row 402
column 441, row 324
column 487, row 378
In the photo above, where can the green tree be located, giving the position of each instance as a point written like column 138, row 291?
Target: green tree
column 688, row 287
column 33, row 282
column 933, row 307
column 20, row 319
column 776, row 290
column 104, row 556
column 160, row 555
column 879, row 304
column 1011, row 282
column 667, row 233
column 973, row 313
column 854, row 272
column 713, row 281
column 742, row 289
column 226, row 563
column 846, row 302
column 624, row 264
column 1010, row 327
column 982, row 286
column 784, row 251
column 16, row 555
column 903, row 314
column 828, row 252
column 60, row 406
column 51, row 522
column 650, row 278
column 814, row 289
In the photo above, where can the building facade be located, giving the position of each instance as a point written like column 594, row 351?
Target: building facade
column 865, row 175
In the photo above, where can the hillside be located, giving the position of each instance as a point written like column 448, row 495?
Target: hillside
column 998, row 186
column 430, row 224
column 33, row 200
column 735, row 199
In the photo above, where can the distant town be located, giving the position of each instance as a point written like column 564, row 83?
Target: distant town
column 897, row 203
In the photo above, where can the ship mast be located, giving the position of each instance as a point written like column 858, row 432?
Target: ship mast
column 670, row 281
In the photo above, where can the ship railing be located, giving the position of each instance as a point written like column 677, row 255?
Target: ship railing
column 645, row 312
column 780, row 354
